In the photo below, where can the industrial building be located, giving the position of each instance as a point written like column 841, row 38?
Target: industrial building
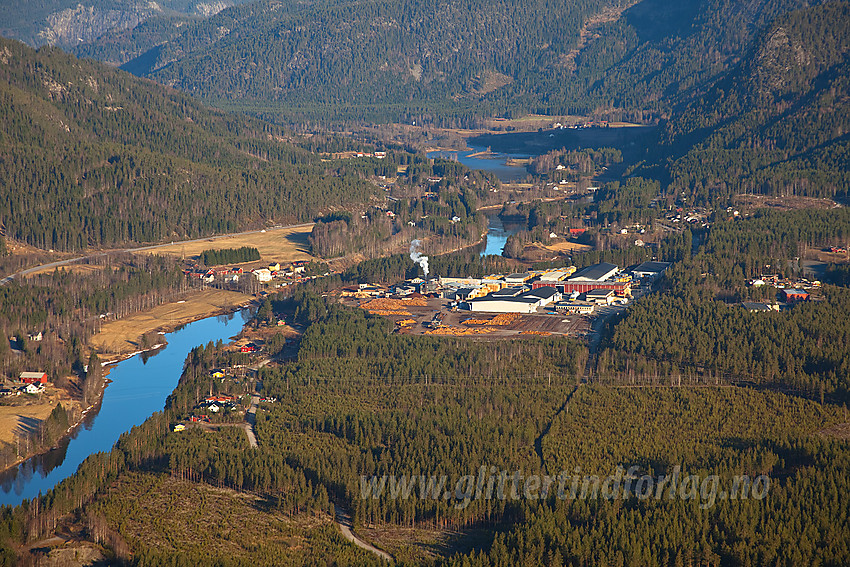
column 597, row 276
column 601, row 296
column 580, row 307
column 514, row 300
column 650, row 270
column 793, row 294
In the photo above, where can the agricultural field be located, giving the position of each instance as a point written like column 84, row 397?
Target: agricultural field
column 282, row 245
column 123, row 336
column 25, row 412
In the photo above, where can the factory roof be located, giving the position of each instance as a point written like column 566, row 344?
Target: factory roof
column 518, row 277
column 544, row 292
column 506, row 292
column 518, row 299
column 603, row 292
column 651, row 268
column 554, row 276
column 596, row 272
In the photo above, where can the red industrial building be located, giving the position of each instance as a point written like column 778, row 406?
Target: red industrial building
column 597, row 276
column 33, row 377
column 792, row 295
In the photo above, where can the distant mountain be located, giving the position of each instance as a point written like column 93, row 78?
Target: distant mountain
column 68, row 23
column 449, row 62
column 92, row 156
column 776, row 123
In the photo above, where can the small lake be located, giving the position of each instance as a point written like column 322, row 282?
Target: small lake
column 138, row 388
column 494, row 162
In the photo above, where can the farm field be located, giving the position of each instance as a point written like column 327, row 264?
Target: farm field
column 275, row 244
column 15, row 418
column 122, row 336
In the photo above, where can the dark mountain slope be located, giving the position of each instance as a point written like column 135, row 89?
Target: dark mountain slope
column 778, row 123
column 92, row 156
column 453, row 61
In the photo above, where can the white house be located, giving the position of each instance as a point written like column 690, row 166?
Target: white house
column 263, row 274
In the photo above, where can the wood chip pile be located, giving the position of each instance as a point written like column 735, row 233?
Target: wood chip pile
column 500, row 319
column 459, row 331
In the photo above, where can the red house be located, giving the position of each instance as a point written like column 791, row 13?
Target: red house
column 250, row 347
column 34, row 377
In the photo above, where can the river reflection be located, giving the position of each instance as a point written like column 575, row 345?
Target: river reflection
column 138, row 387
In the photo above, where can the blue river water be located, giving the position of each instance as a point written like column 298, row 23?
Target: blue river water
column 138, row 388
column 497, row 235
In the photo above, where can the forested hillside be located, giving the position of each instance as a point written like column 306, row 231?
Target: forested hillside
column 432, row 62
column 69, row 22
column 777, row 123
column 92, row 156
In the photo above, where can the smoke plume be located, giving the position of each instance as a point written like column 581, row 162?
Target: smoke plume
column 417, row 256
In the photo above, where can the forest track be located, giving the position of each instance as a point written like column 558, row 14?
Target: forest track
column 538, row 443
column 343, row 520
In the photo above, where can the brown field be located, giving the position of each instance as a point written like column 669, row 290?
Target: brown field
column 122, row 336
column 14, row 418
column 163, row 513
column 840, row 431
column 784, row 203
column 568, row 246
column 73, row 268
column 420, row 543
column 276, row 244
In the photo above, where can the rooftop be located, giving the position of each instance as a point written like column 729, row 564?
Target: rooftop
column 554, row 276
column 544, row 292
column 652, row 267
column 507, row 292
column 596, row 272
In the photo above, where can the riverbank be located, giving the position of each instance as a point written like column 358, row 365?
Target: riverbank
column 124, row 335
column 39, row 412
column 122, row 338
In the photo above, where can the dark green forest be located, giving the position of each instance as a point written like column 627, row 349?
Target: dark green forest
column 108, row 159
column 214, row 257
column 409, row 64
column 696, row 331
column 360, row 400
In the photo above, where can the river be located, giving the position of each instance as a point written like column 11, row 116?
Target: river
column 138, row 388
column 497, row 234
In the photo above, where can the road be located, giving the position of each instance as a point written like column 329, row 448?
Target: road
column 60, row 263
column 342, row 518
column 344, row 522
column 251, row 419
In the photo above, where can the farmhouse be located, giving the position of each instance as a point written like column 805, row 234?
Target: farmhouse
column 34, row 377
column 263, row 274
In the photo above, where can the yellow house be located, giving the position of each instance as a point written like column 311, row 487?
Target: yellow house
column 179, row 427
column 274, row 267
